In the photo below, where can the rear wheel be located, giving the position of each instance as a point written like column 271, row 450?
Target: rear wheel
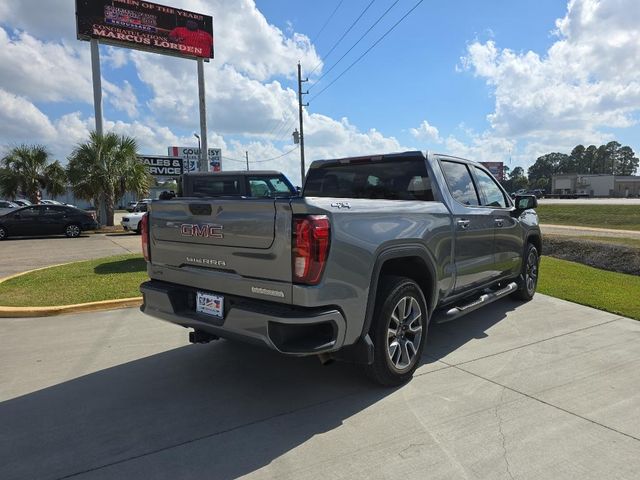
column 138, row 228
column 3, row 233
column 398, row 331
column 72, row 230
column 529, row 276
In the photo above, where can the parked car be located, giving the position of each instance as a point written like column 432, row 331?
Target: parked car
column 46, row 220
column 131, row 221
column 55, row 202
column 21, row 202
column 354, row 269
column 6, row 206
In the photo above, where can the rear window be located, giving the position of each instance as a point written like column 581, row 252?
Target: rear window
column 393, row 179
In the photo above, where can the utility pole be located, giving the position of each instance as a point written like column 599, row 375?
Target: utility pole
column 246, row 154
column 300, row 105
column 203, row 164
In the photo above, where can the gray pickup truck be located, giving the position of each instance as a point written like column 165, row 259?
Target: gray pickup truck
column 354, row 269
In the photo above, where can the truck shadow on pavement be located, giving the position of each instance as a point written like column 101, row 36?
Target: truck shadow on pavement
column 217, row 411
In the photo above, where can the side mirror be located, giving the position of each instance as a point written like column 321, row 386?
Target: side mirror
column 526, row 202
column 17, row 216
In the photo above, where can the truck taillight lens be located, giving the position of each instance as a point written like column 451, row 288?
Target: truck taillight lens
column 311, row 239
column 144, row 234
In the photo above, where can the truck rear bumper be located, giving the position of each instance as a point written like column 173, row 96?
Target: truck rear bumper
column 288, row 329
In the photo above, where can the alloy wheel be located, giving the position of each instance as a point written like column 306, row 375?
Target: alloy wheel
column 404, row 333
column 532, row 271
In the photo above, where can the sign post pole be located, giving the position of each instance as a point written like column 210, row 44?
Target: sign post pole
column 97, row 84
column 204, row 161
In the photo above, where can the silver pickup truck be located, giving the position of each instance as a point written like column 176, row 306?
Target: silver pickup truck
column 354, row 269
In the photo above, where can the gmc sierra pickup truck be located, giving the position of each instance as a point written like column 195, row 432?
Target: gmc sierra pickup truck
column 354, row 269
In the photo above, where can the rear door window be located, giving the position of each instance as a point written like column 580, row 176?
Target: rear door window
column 460, row 183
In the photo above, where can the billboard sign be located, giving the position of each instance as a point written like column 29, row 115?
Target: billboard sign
column 160, row 166
column 496, row 169
column 146, row 26
column 191, row 157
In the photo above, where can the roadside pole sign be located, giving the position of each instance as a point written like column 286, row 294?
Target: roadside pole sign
column 191, row 157
column 160, row 166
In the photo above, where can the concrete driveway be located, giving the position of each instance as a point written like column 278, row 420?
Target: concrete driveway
column 20, row 254
column 544, row 390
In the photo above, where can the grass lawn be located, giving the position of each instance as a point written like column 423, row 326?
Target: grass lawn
column 614, row 292
column 90, row 281
column 623, row 217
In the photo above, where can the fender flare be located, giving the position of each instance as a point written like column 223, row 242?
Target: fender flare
column 392, row 253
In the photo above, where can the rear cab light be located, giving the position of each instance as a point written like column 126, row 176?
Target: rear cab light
column 144, row 236
column 310, row 248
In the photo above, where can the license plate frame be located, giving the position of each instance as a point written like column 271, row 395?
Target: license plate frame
column 210, row 304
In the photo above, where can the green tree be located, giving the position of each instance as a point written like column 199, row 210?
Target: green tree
column 104, row 168
column 626, row 162
column 545, row 167
column 518, row 179
column 26, row 170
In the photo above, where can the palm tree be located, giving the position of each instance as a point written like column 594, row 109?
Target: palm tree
column 104, row 168
column 26, row 170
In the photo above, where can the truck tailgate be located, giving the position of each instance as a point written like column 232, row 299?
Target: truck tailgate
column 235, row 246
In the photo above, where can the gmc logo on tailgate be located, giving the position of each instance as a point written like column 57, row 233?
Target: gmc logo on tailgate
column 204, row 231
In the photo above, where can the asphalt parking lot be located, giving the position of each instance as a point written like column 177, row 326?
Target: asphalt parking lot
column 544, row 390
column 21, row 254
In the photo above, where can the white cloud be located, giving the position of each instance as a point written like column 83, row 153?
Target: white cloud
column 122, row 98
column 44, row 71
column 426, row 132
column 588, row 80
column 22, row 121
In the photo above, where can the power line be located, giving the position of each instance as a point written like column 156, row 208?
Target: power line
column 264, row 160
column 327, row 21
column 367, row 51
column 353, row 24
column 277, row 127
column 355, row 44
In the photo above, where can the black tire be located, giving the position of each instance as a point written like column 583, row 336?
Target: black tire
column 394, row 366
column 528, row 280
column 138, row 230
column 73, row 230
column 3, row 233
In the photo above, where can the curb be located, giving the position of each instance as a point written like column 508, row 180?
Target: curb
column 27, row 312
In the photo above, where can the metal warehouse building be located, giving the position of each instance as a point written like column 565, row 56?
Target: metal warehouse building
column 596, row 185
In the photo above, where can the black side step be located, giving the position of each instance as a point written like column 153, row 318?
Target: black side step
column 484, row 299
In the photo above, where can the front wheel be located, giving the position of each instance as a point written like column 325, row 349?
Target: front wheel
column 398, row 331
column 3, row 233
column 72, row 231
column 529, row 276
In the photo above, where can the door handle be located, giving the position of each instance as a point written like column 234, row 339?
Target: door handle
column 499, row 222
column 463, row 224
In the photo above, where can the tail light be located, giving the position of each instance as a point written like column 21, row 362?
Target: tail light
column 311, row 239
column 144, row 234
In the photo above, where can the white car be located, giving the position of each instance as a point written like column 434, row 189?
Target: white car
column 131, row 221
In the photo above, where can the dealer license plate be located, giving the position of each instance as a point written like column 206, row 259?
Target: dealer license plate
column 210, row 304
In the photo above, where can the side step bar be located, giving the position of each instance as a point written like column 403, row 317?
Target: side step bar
column 485, row 299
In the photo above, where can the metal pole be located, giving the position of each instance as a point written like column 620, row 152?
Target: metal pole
column 204, row 163
column 300, row 105
column 246, row 153
column 97, row 84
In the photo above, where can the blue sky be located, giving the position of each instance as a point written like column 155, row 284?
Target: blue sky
column 487, row 80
